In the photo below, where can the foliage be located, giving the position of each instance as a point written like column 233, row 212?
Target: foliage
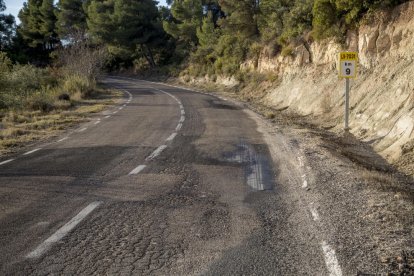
column 71, row 18
column 26, row 87
column 7, row 26
column 38, row 24
column 133, row 25
column 186, row 17
column 209, row 37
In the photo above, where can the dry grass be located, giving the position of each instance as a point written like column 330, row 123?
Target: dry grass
column 18, row 128
column 379, row 179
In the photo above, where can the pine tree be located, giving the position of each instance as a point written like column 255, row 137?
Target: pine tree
column 133, row 25
column 241, row 17
column 270, row 22
column 38, row 24
column 7, row 27
column 71, row 18
column 208, row 36
column 187, row 16
column 48, row 24
column 30, row 25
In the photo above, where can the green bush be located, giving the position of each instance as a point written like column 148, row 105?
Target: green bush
column 32, row 88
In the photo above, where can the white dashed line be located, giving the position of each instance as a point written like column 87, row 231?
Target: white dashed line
column 7, row 161
column 97, row 122
column 63, row 231
column 114, row 112
column 120, row 108
column 182, row 119
column 331, row 261
column 63, row 139
column 32, row 151
column 156, row 152
column 83, row 129
column 172, row 136
column 138, row 169
column 182, row 112
column 106, row 117
column 305, row 184
column 179, row 126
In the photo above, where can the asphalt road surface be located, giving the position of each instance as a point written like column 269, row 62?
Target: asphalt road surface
column 170, row 182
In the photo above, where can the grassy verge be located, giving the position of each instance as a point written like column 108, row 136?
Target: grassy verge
column 19, row 127
column 37, row 103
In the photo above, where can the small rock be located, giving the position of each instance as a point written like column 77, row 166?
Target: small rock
column 385, row 260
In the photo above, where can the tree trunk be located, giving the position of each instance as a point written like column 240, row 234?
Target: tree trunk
column 148, row 55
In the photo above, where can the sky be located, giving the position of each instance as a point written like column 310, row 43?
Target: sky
column 14, row 6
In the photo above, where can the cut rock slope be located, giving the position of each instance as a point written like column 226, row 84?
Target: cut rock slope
column 382, row 97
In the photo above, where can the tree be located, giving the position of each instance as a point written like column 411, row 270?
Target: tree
column 270, row 22
column 133, row 25
column 38, row 24
column 71, row 18
column 48, row 24
column 241, row 17
column 7, row 28
column 297, row 21
column 187, row 16
column 208, row 36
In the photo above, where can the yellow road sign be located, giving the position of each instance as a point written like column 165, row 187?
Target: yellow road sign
column 348, row 64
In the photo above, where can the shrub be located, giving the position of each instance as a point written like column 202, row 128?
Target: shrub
column 287, row 51
column 41, row 101
column 76, row 84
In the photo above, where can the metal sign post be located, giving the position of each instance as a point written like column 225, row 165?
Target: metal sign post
column 347, row 105
column 347, row 70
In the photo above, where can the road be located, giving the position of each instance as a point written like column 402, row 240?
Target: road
column 170, row 182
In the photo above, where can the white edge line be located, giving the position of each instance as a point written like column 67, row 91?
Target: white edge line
column 179, row 126
column 172, row 136
column 32, row 151
column 63, row 139
column 138, row 169
column 6, row 161
column 63, row 231
column 331, row 261
column 182, row 119
column 156, row 152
